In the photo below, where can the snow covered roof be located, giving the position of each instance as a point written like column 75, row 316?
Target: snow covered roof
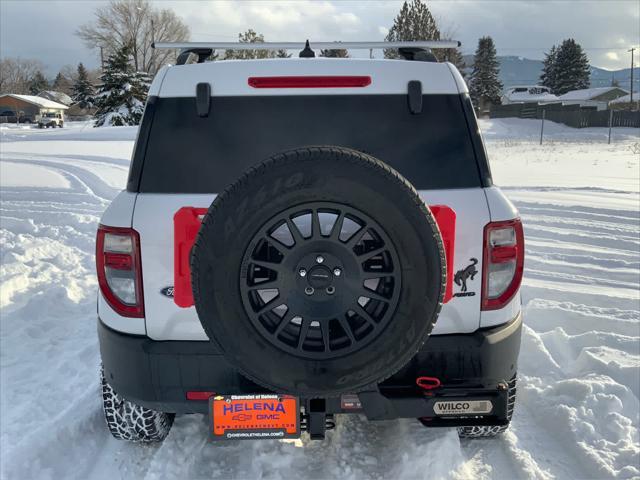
column 529, row 93
column 59, row 97
column 42, row 102
column 627, row 98
column 588, row 93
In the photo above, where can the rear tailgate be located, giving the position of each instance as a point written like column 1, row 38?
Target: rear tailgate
column 153, row 219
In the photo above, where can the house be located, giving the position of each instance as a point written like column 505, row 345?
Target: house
column 29, row 108
column 624, row 102
column 593, row 97
column 59, row 97
column 528, row 94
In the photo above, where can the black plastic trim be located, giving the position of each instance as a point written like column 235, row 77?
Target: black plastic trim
column 203, row 99
column 140, row 148
column 414, row 93
column 158, row 374
column 482, row 160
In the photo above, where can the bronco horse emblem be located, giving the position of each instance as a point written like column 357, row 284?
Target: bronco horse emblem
column 465, row 274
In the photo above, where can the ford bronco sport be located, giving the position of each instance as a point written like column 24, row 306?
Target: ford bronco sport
column 306, row 237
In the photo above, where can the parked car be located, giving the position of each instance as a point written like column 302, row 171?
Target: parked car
column 9, row 116
column 51, row 119
column 302, row 238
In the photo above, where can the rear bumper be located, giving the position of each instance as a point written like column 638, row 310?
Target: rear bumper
column 477, row 366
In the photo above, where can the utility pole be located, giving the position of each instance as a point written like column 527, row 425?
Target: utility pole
column 631, row 89
column 101, row 59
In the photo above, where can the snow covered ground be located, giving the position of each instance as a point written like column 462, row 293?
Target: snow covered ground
column 578, row 411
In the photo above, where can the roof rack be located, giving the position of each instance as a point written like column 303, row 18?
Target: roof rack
column 204, row 49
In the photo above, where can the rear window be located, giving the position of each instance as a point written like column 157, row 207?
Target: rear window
column 180, row 152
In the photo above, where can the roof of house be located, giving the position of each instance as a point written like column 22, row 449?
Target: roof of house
column 627, row 98
column 588, row 93
column 59, row 97
column 41, row 102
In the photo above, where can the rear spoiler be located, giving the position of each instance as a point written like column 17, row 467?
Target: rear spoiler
column 204, row 49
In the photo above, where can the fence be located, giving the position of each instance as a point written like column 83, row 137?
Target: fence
column 571, row 115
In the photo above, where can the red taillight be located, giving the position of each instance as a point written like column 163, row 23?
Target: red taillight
column 334, row 81
column 119, row 270
column 503, row 263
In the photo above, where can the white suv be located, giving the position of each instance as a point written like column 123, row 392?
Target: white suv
column 50, row 119
column 307, row 237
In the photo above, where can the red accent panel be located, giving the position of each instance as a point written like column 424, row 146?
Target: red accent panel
column 123, row 309
column 310, row 82
column 446, row 220
column 186, row 223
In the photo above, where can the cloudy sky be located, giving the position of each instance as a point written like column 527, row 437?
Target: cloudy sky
column 44, row 29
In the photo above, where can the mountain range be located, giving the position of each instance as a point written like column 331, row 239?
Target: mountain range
column 524, row 71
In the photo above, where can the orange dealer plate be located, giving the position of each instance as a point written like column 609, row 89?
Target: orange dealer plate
column 253, row 417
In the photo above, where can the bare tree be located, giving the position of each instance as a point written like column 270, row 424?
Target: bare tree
column 137, row 24
column 16, row 74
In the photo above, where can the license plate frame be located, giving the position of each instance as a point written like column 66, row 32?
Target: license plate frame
column 254, row 417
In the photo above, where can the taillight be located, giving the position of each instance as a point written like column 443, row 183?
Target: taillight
column 120, row 270
column 318, row 81
column 503, row 263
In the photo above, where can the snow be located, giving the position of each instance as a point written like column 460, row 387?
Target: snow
column 587, row 93
column 578, row 406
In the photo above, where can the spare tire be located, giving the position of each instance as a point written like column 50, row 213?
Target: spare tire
column 318, row 272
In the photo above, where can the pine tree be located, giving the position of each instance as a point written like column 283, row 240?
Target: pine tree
column 414, row 22
column 83, row 91
column 571, row 68
column 548, row 77
column 334, row 53
column 484, row 84
column 37, row 83
column 61, row 84
column 250, row 36
column 282, row 54
column 123, row 92
column 452, row 55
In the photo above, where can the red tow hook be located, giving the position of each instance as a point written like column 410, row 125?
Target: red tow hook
column 427, row 384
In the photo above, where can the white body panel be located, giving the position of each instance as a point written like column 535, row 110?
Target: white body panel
column 153, row 220
column 462, row 314
column 120, row 211
column 500, row 207
column 230, row 77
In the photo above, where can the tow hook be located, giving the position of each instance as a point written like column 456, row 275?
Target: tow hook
column 427, row 384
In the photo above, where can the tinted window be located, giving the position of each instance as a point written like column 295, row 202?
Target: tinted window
column 189, row 154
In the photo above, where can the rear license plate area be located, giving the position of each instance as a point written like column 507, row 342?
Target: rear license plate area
column 254, row 417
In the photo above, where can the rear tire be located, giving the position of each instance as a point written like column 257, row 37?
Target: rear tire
column 128, row 421
column 492, row 431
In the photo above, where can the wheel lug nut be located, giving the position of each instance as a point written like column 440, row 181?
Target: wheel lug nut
column 302, row 272
column 337, row 272
column 319, row 259
column 309, row 290
column 331, row 290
